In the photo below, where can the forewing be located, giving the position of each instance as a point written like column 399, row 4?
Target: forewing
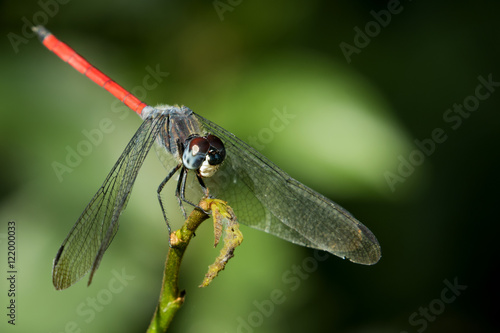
column 266, row 198
column 83, row 248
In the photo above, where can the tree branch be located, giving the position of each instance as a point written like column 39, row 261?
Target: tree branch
column 171, row 298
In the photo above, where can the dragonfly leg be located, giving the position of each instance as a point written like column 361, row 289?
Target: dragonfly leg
column 203, row 186
column 160, row 188
column 179, row 191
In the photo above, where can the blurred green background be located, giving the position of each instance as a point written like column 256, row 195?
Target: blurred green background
column 237, row 63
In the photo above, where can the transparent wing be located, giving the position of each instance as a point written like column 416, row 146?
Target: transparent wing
column 83, row 248
column 266, row 198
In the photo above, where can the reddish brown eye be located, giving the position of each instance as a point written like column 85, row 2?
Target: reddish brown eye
column 198, row 145
column 195, row 152
column 215, row 142
column 217, row 152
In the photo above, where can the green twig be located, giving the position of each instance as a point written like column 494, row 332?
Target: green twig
column 171, row 298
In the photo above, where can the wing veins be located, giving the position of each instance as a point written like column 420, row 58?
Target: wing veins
column 94, row 230
column 315, row 218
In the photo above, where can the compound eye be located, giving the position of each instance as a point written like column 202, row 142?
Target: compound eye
column 216, row 152
column 195, row 152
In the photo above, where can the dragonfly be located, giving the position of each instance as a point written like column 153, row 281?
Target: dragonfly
column 261, row 194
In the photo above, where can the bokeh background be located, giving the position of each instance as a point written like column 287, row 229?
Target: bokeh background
column 240, row 63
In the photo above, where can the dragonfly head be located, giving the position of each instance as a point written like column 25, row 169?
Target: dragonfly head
column 204, row 154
